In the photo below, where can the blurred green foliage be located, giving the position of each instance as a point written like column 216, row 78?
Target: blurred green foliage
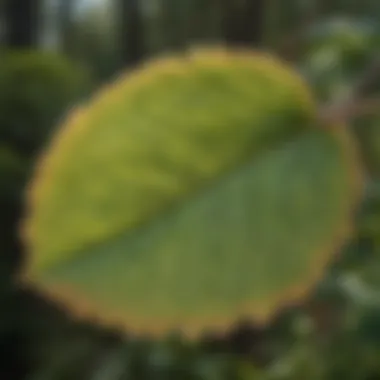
column 332, row 335
column 337, row 51
column 12, row 172
column 367, row 131
column 36, row 89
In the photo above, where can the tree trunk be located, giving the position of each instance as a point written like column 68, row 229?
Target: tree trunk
column 187, row 22
column 243, row 22
column 22, row 23
column 65, row 26
column 131, row 32
column 173, row 25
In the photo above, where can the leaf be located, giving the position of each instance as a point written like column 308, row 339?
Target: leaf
column 195, row 191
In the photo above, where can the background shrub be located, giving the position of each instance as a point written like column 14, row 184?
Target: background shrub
column 36, row 89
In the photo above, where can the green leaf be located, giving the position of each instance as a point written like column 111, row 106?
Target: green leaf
column 193, row 192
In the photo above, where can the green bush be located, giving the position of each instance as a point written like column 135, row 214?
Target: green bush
column 12, row 172
column 13, row 169
column 338, row 51
column 36, row 89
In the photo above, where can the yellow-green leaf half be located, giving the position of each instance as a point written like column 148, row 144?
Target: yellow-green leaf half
column 195, row 191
